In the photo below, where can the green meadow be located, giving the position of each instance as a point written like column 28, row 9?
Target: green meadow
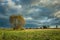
column 30, row 34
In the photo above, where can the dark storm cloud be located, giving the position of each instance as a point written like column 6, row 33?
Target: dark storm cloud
column 35, row 11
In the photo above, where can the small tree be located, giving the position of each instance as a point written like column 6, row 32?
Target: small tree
column 48, row 26
column 45, row 27
column 56, row 26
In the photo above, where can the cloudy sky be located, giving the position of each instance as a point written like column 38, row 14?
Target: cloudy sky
column 35, row 12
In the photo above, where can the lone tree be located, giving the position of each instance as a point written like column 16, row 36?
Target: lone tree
column 17, row 22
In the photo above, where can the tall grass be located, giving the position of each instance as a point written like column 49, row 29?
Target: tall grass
column 43, row 34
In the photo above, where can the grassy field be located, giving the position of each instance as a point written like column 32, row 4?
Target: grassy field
column 30, row 34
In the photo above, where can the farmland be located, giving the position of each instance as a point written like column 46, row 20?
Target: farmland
column 30, row 34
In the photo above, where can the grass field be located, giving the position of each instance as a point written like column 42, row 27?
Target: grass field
column 30, row 34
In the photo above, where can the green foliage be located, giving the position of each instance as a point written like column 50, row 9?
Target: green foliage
column 43, row 34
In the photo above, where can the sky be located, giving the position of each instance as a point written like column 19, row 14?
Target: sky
column 35, row 12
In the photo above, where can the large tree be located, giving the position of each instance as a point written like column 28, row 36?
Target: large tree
column 17, row 22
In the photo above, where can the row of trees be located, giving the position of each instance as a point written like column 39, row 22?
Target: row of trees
column 43, row 27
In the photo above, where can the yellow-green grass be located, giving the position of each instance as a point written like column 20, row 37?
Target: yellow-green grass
column 30, row 34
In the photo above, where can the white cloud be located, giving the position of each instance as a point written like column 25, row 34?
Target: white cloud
column 10, row 3
column 55, row 2
column 28, row 18
column 34, row 10
column 46, row 20
column 46, row 3
column 19, row 6
column 57, row 14
column 40, row 2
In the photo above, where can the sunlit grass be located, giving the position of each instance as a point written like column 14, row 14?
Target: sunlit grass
column 30, row 34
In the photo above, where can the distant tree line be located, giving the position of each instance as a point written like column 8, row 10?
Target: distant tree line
column 43, row 27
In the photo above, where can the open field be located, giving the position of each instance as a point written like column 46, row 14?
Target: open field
column 30, row 34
